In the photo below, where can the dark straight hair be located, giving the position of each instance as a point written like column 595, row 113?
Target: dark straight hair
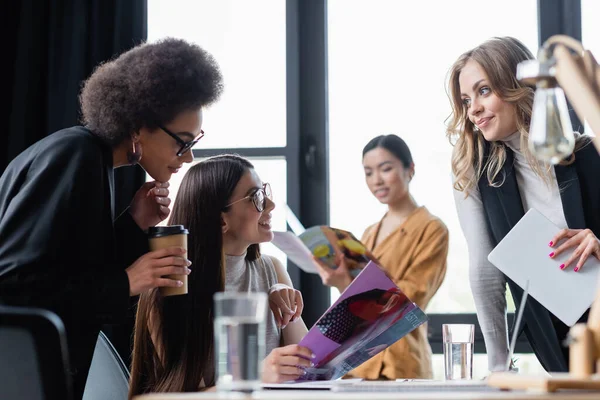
column 173, row 338
column 392, row 143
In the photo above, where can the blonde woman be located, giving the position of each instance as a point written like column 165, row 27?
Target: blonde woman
column 497, row 179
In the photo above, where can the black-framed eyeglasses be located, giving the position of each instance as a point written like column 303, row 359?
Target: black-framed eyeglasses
column 185, row 146
column 259, row 198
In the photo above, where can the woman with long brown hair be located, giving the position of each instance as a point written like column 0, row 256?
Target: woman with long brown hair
column 497, row 179
column 227, row 210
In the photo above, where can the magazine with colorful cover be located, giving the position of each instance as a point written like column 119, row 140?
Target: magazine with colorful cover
column 370, row 315
column 325, row 243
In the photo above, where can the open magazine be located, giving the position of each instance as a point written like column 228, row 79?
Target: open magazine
column 324, row 243
column 370, row 315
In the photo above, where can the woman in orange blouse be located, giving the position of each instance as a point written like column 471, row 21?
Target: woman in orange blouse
column 411, row 245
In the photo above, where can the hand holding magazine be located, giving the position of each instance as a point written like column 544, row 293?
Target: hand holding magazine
column 370, row 315
column 324, row 243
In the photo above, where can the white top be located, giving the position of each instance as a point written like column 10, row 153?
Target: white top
column 242, row 275
column 488, row 284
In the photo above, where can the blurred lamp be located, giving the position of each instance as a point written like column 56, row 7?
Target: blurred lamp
column 562, row 64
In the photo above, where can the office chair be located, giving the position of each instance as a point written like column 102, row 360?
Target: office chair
column 33, row 355
column 108, row 378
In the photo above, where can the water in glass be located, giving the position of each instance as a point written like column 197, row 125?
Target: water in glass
column 458, row 359
column 239, row 349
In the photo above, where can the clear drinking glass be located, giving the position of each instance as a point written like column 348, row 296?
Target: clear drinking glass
column 239, row 340
column 458, row 350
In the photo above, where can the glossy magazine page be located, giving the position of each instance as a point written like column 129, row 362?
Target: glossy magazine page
column 325, row 243
column 369, row 316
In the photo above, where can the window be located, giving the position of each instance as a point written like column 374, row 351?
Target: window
column 387, row 74
column 590, row 10
column 381, row 81
column 247, row 38
column 248, row 42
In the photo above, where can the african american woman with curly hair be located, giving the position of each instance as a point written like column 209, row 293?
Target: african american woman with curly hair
column 61, row 247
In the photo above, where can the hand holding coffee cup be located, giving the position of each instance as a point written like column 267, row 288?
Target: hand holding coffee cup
column 162, row 237
column 151, row 270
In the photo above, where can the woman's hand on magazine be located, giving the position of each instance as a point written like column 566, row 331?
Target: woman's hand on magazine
column 286, row 304
column 286, row 364
column 583, row 240
column 339, row 277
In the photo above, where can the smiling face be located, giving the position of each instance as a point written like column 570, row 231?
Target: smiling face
column 385, row 175
column 243, row 224
column 159, row 149
column 495, row 118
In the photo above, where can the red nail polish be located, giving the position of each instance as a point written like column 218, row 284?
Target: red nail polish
column 551, row 254
column 551, row 244
column 562, row 266
column 576, row 269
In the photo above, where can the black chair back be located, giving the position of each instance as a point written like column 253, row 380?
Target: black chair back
column 33, row 355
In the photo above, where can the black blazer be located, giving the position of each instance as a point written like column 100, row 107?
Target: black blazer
column 580, row 196
column 59, row 247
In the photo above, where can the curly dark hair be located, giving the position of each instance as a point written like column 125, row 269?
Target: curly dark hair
column 147, row 86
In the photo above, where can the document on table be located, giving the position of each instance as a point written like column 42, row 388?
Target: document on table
column 310, row 385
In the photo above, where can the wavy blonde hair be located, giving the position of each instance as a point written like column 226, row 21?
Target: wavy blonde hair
column 499, row 58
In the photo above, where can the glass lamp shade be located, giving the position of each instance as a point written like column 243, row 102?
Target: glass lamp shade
column 551, row 137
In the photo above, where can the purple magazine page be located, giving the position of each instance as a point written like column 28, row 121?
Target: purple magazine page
column 370, row 315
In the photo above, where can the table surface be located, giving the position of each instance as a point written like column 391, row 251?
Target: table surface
column 326, row 395
column 376, row 395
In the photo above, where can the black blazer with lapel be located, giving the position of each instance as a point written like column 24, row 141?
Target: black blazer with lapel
column 579, row 185
column 59, row 246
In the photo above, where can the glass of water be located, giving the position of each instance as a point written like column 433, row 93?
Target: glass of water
column 458, row 350
column 239, row 340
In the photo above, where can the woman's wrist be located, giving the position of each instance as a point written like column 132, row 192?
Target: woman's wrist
column 344, row 284
column 278, row 286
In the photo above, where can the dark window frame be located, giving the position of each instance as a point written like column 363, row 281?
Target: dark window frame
column 306, row 150
column 307, row 147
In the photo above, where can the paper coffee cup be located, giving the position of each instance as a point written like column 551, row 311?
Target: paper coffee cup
column 161, row 237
